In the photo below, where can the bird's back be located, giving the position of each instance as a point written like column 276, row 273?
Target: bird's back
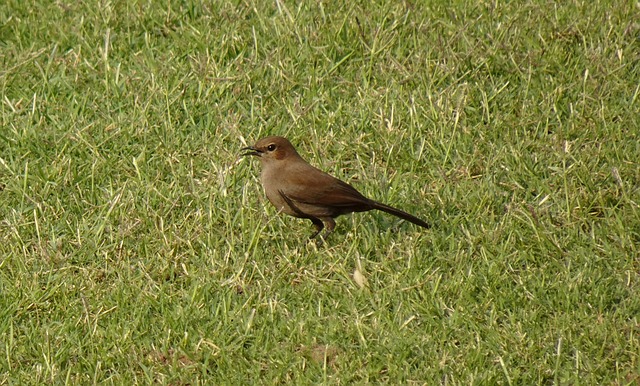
column 313, row 191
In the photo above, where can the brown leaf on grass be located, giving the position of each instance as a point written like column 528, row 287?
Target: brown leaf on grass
column 321, row 354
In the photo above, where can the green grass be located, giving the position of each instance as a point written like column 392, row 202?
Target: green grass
column 137, row 247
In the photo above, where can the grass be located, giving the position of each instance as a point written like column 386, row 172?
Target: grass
column 136, row 247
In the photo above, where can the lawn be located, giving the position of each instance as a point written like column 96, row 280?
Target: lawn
column 137, row 246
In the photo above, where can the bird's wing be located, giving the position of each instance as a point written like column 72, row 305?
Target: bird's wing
column 324, row 190
column 291, row 204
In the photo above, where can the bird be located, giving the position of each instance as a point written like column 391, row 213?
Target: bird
column 300, row 190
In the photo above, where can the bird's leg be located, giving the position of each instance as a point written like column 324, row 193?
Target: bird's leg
column 318, row 224
column 329, row 225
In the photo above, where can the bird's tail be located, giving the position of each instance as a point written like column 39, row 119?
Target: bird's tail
column 399, row 213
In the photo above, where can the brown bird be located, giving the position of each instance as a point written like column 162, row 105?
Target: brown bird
column 301, row 190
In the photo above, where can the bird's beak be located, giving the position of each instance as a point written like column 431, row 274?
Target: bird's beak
column 251, row 151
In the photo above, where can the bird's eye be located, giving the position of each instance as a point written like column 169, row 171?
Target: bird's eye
column 271, row 147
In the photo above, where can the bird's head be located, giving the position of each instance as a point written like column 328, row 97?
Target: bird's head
column 271, row 149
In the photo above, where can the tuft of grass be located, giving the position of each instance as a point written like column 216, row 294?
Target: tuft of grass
column 137, row 247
